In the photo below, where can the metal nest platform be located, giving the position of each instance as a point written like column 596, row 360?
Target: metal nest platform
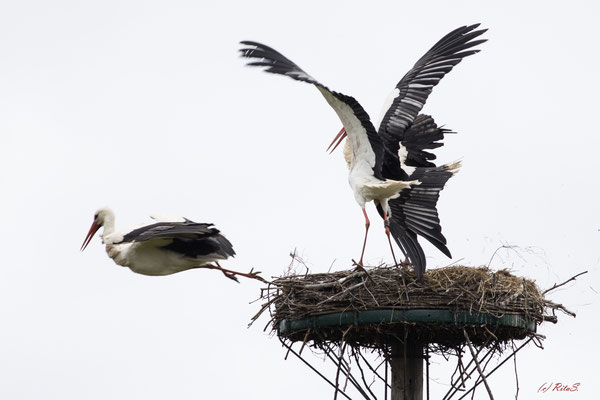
column 380, row 326
column 377, row 307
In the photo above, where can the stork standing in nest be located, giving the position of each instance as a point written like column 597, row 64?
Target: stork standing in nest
column 390, row 165
column 165, row 247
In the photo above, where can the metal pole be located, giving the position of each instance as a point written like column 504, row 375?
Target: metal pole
column 407, row 370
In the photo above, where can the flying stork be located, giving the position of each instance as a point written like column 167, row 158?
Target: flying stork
column 164, row 247
column 388, row 163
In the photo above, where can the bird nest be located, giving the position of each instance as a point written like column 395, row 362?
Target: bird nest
column 377, row 307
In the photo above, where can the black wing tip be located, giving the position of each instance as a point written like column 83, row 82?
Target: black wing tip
column 254, row 45
column 419, row 266
column 420, row 273
column 248, row 52
column 472, row 27
column 462, row 37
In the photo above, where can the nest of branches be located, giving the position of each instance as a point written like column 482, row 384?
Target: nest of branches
column 457, row 290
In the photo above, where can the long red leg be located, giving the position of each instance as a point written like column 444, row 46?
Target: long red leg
column 367, row 224
column 387, row 232
column 232, row 274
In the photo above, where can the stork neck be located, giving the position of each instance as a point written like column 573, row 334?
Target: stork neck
column 109, row 225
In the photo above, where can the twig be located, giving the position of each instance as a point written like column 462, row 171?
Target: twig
column 385, row 391
column 362, row 374
column 477, row 364
column 462, row 370
column 311, row 367
column 346, row 370
column 262, row 309
column 497, row 366
column 453, row 389
column 504, row 246
column 479, row 378
column 564, row 283
column 342, row 292
column 375, row 371
column 339, row 363
column 512, row 343
column 560, row 307
column 331, row 266
column 454, row 262
column 427, row 370
column 281, row 282
column 361, row 268
column 304, row 341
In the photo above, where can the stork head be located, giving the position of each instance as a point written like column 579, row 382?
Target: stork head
column 101, row 217
column 337, row 140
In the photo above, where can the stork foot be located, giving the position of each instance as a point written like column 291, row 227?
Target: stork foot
column 253, row 275
column 233, row 275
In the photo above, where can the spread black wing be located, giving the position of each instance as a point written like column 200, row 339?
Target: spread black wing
column 412, row 92
column 355, row 119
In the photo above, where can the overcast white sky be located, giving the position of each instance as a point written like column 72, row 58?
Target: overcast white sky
column 145, row 106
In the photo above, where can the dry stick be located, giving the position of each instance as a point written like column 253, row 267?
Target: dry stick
column 362, row 374
column 479, row 378
column 259, row 313
column 461, row 372
column 497, row 366
column 386, row 380
column 321, row 285
column 340, row 293
column 311, row 367
column 560, row 307
column 367, row 385
column 484, row 368
column 349, row 376
column 304, row 341
column 512, row 343
column 538, row 341
column 454, row 262
column 498, row 249
column 337, row 374
column 373, row 297
column 457, row 369
column 361, row 268
column 453, row 389
column 564, row 283
column 427, row 370
column 375, row 370
column 477, row 364
column 340, row 363
column 348, row 370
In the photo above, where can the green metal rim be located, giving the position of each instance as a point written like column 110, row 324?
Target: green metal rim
column 287, row 327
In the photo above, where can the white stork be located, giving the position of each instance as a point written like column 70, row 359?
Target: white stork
column 389, row 165
column 164, row 247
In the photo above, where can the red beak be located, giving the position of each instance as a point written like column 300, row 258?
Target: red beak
column 93, row 229
column 338, row 138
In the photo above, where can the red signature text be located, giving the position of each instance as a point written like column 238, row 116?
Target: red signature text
column 558, row 387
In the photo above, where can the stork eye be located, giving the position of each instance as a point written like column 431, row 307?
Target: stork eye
column 95, row 216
